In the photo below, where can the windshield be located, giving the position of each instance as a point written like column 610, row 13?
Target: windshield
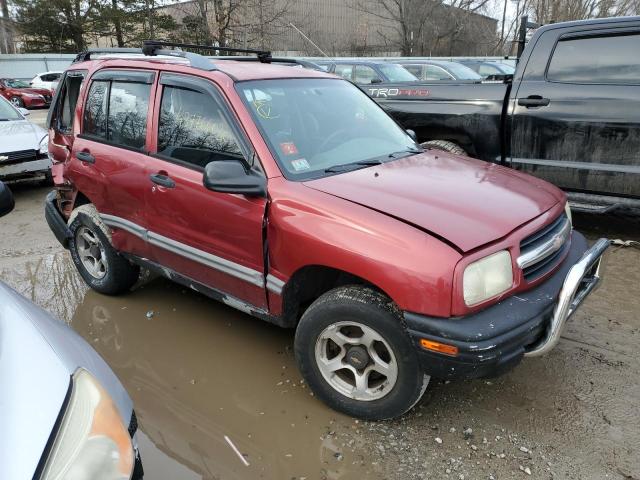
column 315, row 125
column 9, row 82
column 7, row 112
column 463, row 73
column 397, row 73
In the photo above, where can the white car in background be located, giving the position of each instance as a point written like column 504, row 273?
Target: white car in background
column 23, row 145
column 46, row 80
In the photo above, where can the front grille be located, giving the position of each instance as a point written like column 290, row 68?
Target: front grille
column 19, row 156
column 541, row 251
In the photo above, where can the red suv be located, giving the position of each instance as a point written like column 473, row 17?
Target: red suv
column 289, row 194
column 20, row 93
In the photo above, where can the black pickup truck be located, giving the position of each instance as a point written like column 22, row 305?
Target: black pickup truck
column 571, row 114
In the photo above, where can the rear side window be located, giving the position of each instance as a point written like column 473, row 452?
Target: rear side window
column 608, row 60
column 95, row 110
column 127, row 119
column 365, row 75
column 193, row 128
column 117, row 112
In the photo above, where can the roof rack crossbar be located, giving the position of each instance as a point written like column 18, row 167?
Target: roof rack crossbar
column 151, row 46
column 86, row 55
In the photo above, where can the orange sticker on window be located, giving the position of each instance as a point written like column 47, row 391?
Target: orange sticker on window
column 288, row 148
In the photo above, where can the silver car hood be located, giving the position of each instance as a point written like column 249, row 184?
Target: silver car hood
column 20, row 135
column 38, row 356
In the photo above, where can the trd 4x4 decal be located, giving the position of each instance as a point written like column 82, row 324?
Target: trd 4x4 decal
column 398, row 92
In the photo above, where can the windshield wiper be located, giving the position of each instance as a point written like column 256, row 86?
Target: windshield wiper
column 344, row 167
column 412, row 151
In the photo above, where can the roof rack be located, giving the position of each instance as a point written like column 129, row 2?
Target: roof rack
column 153, row 48
column 284, row 60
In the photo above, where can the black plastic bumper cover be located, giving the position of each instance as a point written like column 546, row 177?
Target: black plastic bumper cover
column 55, row 220
column 493, row 340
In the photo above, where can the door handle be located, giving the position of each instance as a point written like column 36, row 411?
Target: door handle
column 162, row 180
column 85, row 157
column 533, row 101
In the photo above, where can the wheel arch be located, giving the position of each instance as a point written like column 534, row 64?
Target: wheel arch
column 312, row 281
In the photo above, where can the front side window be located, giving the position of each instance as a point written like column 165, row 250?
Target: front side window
column 437, row 73
column 609, row 60
column 318, row 127
column 396, row 73
column 345, row 71
column 193, row 128
column 415, row 70
column 365, row 75
column 486, row 70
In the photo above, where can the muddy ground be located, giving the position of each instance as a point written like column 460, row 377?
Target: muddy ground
column 199, row 371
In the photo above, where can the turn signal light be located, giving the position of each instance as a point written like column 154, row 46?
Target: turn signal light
column 438, row 347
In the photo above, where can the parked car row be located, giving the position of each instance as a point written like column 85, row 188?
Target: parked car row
column 368, row 72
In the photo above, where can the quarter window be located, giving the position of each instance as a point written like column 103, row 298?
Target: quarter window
column 609, row 60
column 193, row 129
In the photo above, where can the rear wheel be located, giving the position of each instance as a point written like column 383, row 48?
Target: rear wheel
column 99, row 264
column 356, row 356
column 445, row 145
column 16, row 101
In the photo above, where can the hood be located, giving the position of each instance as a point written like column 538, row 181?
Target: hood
column 466, row 202
column 35, row 91
column 33, row 386
column 20, row 135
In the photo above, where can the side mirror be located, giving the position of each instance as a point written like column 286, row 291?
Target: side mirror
column 6, row 200
column 232, row 176
column 24, row 111
column 375, row 81
column 412, row 134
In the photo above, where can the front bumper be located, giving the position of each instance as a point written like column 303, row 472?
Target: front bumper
column 25, row 169
column 32, row 102
column 495, row 339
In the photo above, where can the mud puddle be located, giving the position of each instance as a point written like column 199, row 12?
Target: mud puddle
column 205, row 380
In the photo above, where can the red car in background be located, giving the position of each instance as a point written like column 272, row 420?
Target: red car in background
column 20, row 94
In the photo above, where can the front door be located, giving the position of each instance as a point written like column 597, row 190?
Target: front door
column 213, row 238
column 108, row 157
column 576, row 122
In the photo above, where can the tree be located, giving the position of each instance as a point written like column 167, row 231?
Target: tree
column 417, row 27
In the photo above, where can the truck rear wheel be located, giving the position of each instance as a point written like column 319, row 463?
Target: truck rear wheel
column 355, row 354
column 99, row 264
column 445, row 145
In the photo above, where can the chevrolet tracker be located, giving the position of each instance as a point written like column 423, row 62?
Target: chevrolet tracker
column 291, row 195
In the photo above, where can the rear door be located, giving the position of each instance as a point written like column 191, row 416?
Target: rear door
column 108, row 157
column 61, row 120
column 213, row 238
column 575, row 118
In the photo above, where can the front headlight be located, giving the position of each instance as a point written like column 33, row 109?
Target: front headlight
column 487, row 277
column 43, row 148
column 92, row 442
column 567, row 211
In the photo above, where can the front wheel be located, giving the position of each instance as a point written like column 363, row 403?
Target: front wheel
column 356, row 355
column 17, row 102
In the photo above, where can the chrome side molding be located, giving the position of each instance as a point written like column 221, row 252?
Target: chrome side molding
column 581, row 280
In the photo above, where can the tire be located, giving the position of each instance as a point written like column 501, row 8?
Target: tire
column 112, row 274
column 17, row 101
column 445, row 145
column 356, row 313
